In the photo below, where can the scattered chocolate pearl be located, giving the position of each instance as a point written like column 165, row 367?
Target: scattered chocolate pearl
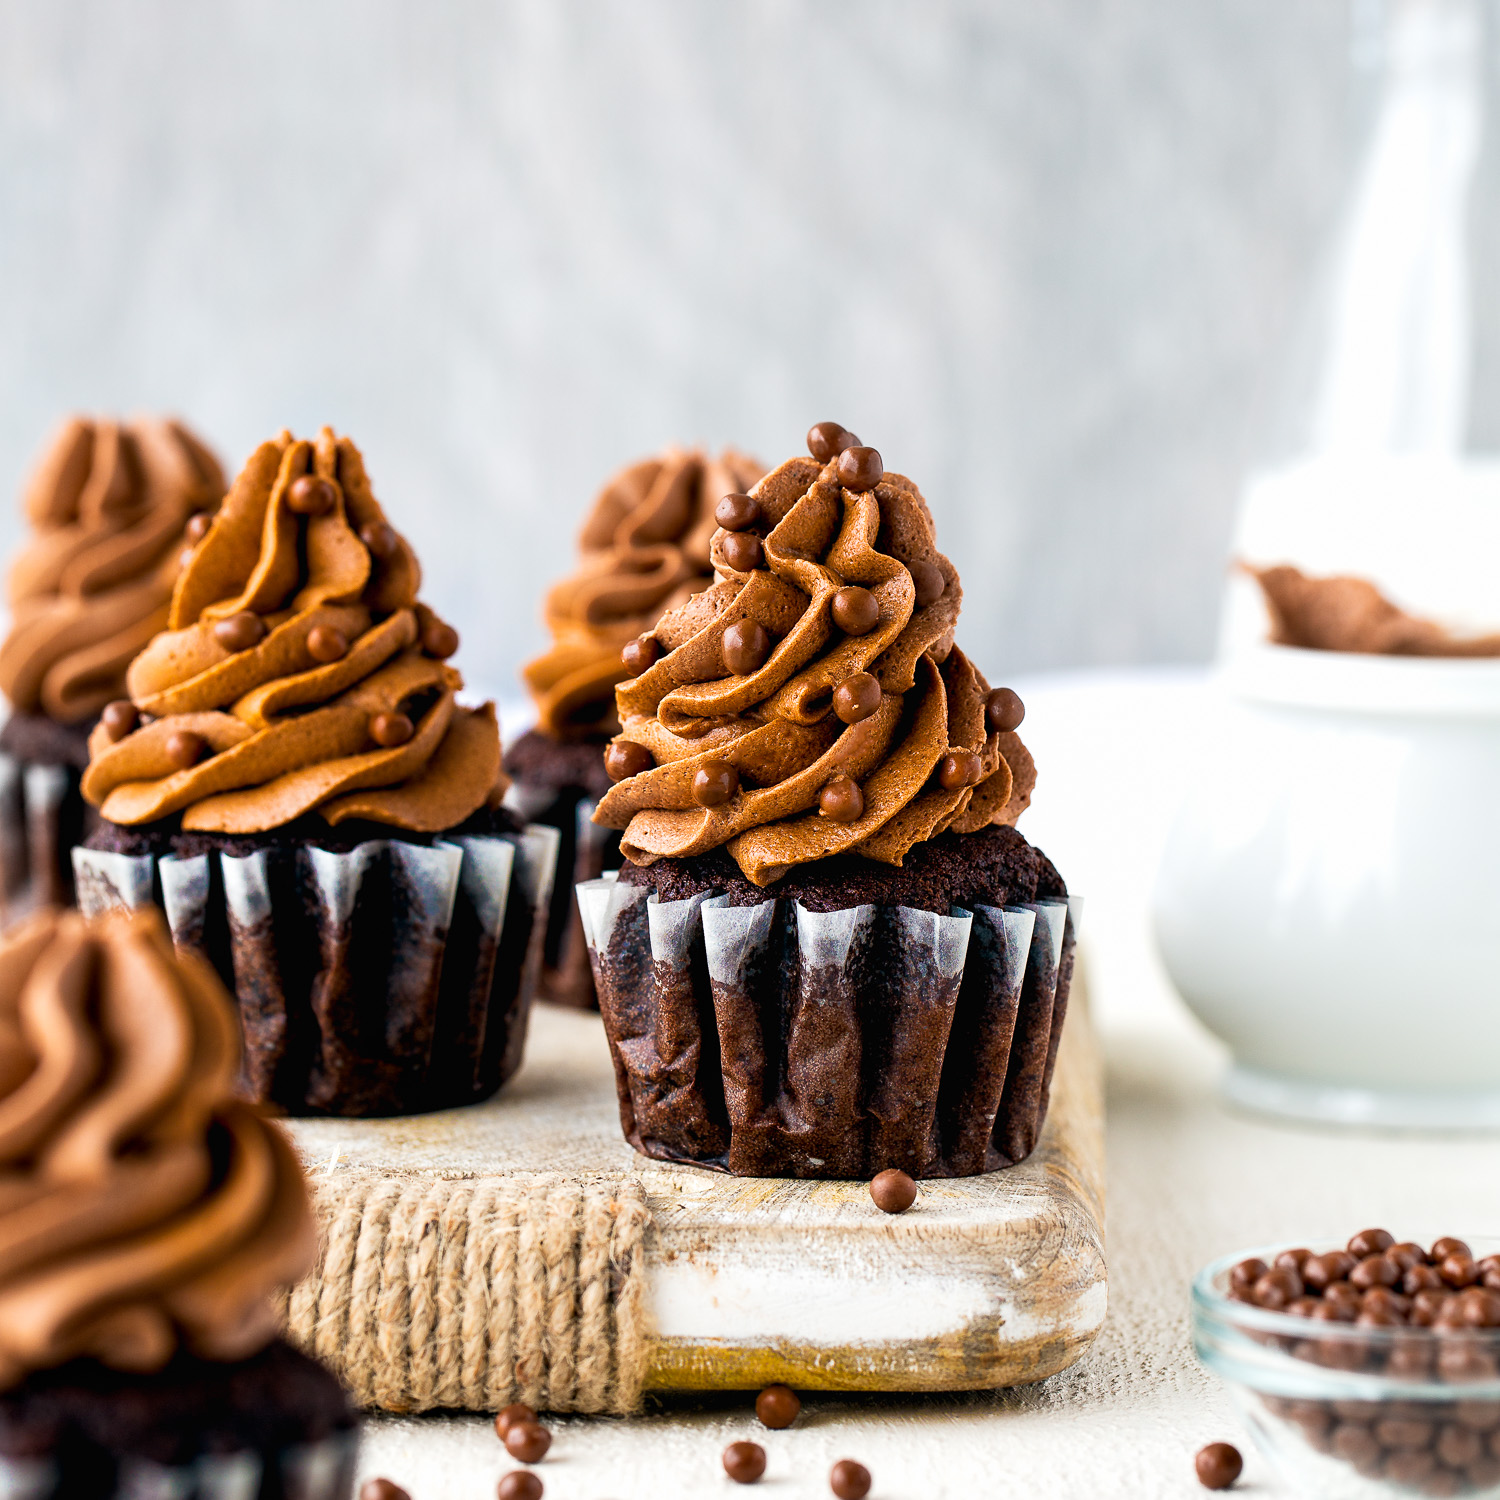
column 639, row 654
column 859, row 469
column 508, row 1416
column 744, row 1462
column 714, row 783
column 1003, row 711
column 527, row 1442
column 390, row 730
column 1374, row 1270
column 928, row 580
column 519, row 1484
column 184, row 748
column 326, row 644
column 241, row 631
column 1443, row 1248
column 195, row 530
column 311, row 496
column 1370, row 1242
column 625, row 759
column 1218, row 1465
column 1458, row 1270
column 826, row 439
column 747, row 644
column 439, row 639
column 893, row 1190
column 742, row 551
column 962, row 768
column 119, row 718
column 856, row 611
column 777, row 1407
column 737, row 512
column 380, row 539
column 857, row 697
column 841, row 801
column 849, row 1480
column 382, row 1489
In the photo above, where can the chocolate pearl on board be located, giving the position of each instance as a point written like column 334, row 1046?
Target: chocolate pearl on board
column 893, row 1190
column 1003, row 711
column 928, row 581
column 747, row 644
column 1458, row 1270
column 380, row 539
column 639, row 654
column 714, row 783
column 241, row 631
column 841, row 801
column 859, row 469
column 184, row 748
column 849, row 1480
column 390, row 730
column 1407, row 1254
column 326, row 643
column 519, row 1484
column 1218, row 1465
column 439, row 639
column 382, row 1489
column 855, row 611
column 527, row 1442
column 1421, row 1278
column 777, row 1407
column 195, row 530
column 508, row 1416
column 744, row 1462
column 1374, row 1270
column 737, row 512
column 857, row 697
column 825, row 439
column 964, row 768
column 742, row 551
column 625, row 759
column 1370, row 1242
column 1443, row 1248
column 311, row 496
column 119, row 718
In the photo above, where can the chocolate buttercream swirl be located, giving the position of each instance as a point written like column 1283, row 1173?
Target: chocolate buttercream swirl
column 298, row 671
column 108, row 503
column 643, row 550
column 815, row 704
column 143, row 1207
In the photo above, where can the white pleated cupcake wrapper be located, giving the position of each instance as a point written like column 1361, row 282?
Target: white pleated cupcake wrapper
column 772, row 1040
column 414, row 964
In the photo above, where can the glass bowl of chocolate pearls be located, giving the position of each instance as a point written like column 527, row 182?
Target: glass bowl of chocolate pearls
column 1371, row 1368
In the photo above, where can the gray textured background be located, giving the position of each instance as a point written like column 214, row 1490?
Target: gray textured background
column 1041, row 255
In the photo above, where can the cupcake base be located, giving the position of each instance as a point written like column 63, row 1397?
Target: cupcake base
column 42, row 812
column 272, row 1427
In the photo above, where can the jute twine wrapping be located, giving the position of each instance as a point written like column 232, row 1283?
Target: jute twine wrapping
column 470, row 1293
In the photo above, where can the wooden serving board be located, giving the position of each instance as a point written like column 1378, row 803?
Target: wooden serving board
column 986, row 1281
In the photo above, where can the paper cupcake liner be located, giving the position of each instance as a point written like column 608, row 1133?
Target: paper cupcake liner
column 774, row 1041
column 42, row 815
column 391, row 979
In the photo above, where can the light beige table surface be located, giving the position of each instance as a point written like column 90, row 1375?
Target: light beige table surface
column 1187, row 1181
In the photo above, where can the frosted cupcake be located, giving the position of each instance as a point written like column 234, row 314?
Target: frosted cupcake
column 294, row 778
column 829, row 952
column 642, row 550
column 108, row 506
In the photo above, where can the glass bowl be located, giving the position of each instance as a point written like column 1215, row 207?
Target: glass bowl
column 1345, row 1412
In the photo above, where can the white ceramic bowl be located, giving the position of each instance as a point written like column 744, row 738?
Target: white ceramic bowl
column 1329, row 900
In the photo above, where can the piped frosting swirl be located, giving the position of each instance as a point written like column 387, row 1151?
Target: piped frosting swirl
column 143, row 1207
column 643, row 549
column 298, row 671
column 812, row 702
column 108, row 504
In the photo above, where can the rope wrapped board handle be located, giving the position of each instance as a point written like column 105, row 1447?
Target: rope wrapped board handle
column 469, row 1293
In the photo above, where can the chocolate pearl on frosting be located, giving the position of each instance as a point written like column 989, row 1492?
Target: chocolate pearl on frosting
column 737, row 512
column 508, row 1416
column 325, row 643
column 777, row 1407
column 390, row 730
column 195, row 530
column 742, row 551
column 1003, row 711
column 439, row 639
column 382, row 1489
column 849, row 1480
column 744, row 1462
column 859, row 469
column 625, row 759
column 639, row 654
column 380, row 539
column 747, row 644
column 527, row 1442
column 893, row 1191
column 857, row 697
column 311, row 495
column 841, row 801
column 119, row 718
column 825, row 439
column 714, row 783
column 184, row 748
column 239, row 632
column 927, row 578
column 962, row 768
column 856, row 611
column 1218, row 1465
column 519, row 1484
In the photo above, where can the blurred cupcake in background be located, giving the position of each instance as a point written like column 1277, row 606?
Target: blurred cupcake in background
column 108, row 505
column 643, row 549
column 294, row 779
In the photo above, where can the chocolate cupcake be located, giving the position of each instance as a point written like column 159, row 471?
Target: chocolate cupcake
column 829, row 951
column 643, row 549
column 294, row 779
column 152, row 1219
column 108, row 505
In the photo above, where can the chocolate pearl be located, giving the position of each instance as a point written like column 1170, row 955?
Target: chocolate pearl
column 928, row 580
column 744, row 1462
column 1407, row 1254
column 963, row 768
column 311, row 496
column 826, row 439
column 119, row 718
column 382, row 1489
column 1479, row 1307
column 240, row 631
column 1003, row 713
column 841, row 801
column 747, row 644
column 1489, row 1271
column 1320, row 1271
column 714, row 783
column 1370, row 1242
column 527, row 1442
column 1427, row 1305
column 1303, row 1307
column 508, row 1416
column 1277, row 1288
column 1384, row 1297
column 1218, row 1466
column 1457, row 1446
column 1458, row 1270
column 1247, row 1273
column 195, row 530
column 1421, row 1279
column 380, row 539
column 1374, row 1270
column 1443, row 1248
column 859, row 469
column 857, row 697
column 1293, row 1260
column 519, row 1484
column 1411, row 1466
column 1466, row 1361
column 1355, row 1443
column 849, row 1480
column 1334, row 1312
column 390, row 730
column 737, row 512
column 1378, row 1317
column 893, row 1190
column 1410, row 1360
column 1482, row 1416
column 1483, row 1472
column 625, row 759
column 1343, row 1292
column 855, row 610
column 777, row 1407
column 184, row 748
column 639, row 654
column 742, row 551
column 439, row 639
column 325, row 643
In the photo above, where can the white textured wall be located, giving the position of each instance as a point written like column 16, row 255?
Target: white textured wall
column 1038, row 254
